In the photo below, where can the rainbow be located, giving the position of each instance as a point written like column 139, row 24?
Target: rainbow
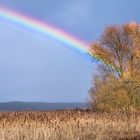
column 44, row 28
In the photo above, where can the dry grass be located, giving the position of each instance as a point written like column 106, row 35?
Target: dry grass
column 69, row 125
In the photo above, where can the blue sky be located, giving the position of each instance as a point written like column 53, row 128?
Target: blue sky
column 35, row 68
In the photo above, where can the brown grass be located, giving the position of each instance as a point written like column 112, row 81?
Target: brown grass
column 69, row 125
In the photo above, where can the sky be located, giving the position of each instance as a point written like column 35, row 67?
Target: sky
column 38, row 68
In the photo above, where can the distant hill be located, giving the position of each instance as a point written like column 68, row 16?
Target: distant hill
column 19, row 106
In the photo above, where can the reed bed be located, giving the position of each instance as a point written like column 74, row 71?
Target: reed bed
column 69, row 125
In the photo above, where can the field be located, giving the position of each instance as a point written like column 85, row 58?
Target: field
column 69, row 125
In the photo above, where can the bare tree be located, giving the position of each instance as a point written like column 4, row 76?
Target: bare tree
column 118, row 51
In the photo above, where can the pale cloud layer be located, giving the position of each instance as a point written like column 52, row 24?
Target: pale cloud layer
column 74, row 12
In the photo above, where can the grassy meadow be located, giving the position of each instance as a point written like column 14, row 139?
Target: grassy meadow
column 69, row 125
